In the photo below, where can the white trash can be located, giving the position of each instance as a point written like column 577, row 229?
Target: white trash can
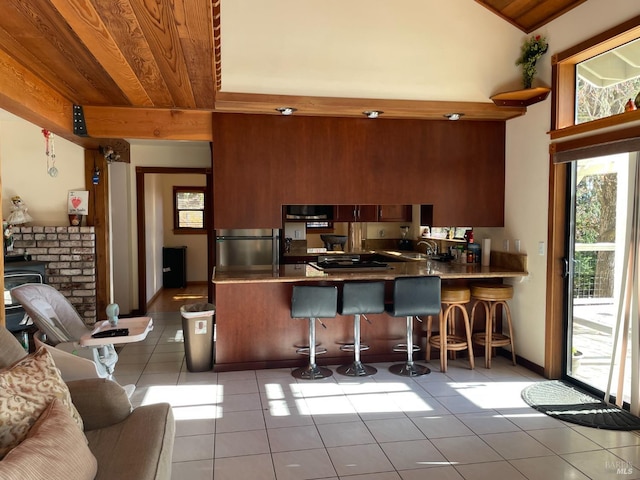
column 199, row 332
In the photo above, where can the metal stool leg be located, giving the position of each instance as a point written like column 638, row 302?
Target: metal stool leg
column 357, row 368
column 409, row 369
column 312, row 371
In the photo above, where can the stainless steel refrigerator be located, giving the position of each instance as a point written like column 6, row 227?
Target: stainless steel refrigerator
column 247, row 247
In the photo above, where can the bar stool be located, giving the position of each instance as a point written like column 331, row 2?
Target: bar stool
column 413, row 296
column 359, row 298
column 490, row 297
column 453, row 298
column 313, row 303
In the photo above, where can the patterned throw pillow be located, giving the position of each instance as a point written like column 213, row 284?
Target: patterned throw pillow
column 54, row 448
column 26, row 388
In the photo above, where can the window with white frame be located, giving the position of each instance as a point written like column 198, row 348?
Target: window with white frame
column 189, row 209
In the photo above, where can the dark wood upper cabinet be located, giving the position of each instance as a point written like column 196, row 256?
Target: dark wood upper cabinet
column 369, row 213
column 394, row 213
column 345, row 213
column 262, row 162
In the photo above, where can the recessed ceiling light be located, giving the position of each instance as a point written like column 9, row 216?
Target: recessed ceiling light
column 373, row 113
column 453, row 116
column 286, row 110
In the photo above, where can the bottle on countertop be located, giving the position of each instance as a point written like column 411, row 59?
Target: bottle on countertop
column 474, row 252
column 468, row 235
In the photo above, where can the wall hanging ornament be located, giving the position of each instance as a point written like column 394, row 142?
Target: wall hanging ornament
column 532, row 49
column 50, row 152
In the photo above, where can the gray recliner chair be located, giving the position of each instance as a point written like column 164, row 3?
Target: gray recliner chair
column 61, row 326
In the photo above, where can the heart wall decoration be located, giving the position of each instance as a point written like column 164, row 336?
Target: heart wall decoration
column 78, row 202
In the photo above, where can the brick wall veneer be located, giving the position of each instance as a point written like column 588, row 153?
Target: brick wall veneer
column 70, row 253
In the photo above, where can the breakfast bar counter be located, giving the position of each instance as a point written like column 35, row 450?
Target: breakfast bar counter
column 254, row 328
column 503, row 265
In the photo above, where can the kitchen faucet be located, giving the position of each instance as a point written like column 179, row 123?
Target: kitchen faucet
column 432, row 247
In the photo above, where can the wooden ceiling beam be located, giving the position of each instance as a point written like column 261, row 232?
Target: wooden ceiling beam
column 148, row 123
column 25, row 95
column 354, row 107
column 196, row 125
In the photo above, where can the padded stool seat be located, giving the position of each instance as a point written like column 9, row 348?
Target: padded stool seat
column 413, row 296
column 359, row 298
column 490, row 297
column 454, row 298
column 313, row 303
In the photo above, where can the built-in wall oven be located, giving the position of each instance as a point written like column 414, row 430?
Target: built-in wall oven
column 15, row 274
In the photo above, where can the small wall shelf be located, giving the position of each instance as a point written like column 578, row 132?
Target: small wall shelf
column 521, row 98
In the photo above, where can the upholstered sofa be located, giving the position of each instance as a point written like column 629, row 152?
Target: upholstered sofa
column 115, row 441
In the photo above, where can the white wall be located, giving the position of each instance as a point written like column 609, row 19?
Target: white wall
column 527, row 170
column 120, row 234
column 414, row 49
column 154, row 232
column 196, row 243
column 24, row 171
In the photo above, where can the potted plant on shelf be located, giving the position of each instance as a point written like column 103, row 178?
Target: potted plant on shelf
column 532, row 49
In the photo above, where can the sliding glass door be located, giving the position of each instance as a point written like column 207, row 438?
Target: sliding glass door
column 600, row 205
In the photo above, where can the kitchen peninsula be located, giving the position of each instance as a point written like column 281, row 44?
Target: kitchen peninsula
column 254, row 327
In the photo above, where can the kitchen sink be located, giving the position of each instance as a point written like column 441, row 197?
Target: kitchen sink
column 407, row 256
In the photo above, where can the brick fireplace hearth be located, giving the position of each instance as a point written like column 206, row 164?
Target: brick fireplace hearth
column 70, row 253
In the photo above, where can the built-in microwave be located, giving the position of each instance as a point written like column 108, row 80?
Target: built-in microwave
column 309, row 212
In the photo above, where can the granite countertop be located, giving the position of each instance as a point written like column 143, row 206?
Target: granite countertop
column 503, row 265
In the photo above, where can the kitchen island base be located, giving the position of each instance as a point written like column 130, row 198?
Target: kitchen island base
column 254, row 330
column 253, row 311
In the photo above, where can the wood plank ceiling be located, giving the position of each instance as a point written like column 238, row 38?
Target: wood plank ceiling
column 529, row 15
column 157, row 63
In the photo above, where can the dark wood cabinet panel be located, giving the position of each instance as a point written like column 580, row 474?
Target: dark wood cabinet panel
column 356, row 213
column 345, row 213
column 262, row 162
column 394, row 213
column 372, row 213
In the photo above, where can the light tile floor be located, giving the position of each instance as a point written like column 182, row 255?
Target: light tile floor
column 264, row 424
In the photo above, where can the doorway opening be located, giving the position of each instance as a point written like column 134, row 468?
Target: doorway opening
column 148, row 246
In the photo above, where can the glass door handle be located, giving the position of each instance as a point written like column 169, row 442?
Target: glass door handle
column 565, row 268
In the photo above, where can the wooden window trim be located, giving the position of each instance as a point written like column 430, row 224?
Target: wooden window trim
column 564, row 81
column 188, row 230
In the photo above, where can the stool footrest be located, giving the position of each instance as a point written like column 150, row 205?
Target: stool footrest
column 454, row 342
column 497, row 339
column 402, row 347
column 350, row 347
column 305, row 351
